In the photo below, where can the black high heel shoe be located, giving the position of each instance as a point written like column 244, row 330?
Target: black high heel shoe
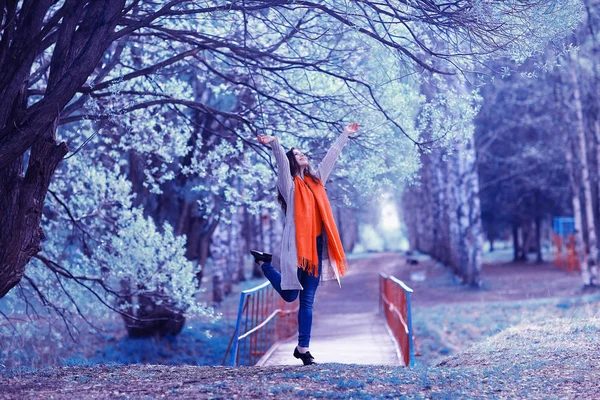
column 307, row 358
column 260, row 256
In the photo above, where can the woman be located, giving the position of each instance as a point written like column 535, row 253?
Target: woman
column 311, row 249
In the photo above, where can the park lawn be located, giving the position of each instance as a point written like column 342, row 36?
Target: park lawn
column 444, row 330
column 559, row 358
column 201, row 342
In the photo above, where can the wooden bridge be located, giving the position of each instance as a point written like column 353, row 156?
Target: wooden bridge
column 348, row 326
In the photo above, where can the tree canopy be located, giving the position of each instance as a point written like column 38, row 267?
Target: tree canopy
column 147, row 98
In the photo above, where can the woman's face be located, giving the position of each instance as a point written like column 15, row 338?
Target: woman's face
column 301, row 159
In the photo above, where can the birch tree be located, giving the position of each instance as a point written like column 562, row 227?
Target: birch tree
column 447, row 223
column 578, row 215
column 589, row 269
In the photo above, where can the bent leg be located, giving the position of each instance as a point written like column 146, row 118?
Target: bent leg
column 274, row 277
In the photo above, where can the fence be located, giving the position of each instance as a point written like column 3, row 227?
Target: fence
column 263, row 319
column 564, row 255
column 395, row 302
column 563, row 243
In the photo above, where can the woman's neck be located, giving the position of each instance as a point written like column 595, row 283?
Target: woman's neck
column 301, row 174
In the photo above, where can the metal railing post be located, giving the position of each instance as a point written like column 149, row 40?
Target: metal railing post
column 257, row 312
column 410, row 331
column 398, row 320
column 236, row 335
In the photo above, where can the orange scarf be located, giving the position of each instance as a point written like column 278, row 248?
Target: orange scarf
column 311, row 209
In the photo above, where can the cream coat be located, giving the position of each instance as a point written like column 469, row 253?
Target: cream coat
column 288, row 255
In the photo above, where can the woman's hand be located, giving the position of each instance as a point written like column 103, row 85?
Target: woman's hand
column 264, row 139
column 351, row 129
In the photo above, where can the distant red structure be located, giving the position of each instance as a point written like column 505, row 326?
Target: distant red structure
column 564, row 255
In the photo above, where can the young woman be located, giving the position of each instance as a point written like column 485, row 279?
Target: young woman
column 311, row 249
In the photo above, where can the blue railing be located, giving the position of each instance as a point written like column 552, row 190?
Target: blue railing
column 395, row 303
column 263, row 319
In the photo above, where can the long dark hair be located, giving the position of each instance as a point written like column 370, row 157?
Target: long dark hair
column 294, row 170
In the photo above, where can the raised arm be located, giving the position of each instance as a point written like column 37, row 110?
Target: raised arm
column 326, row 166
column 284, row 178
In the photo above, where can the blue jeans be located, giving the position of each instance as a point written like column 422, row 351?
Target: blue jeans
column 307, row 296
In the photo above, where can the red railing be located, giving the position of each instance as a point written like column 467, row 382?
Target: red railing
column 263, row 319
column 564, row 256
column 395, row 302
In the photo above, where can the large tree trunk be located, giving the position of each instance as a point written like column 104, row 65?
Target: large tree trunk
column 455, row 212
column 420, row 222
column 235, row 246
column 577, row 215
column 526, row 240
column 444, row 210
column 585, row 178
column 253, row 240
column 538, row 239
column 347, row 227
column 597, row 145
column 426, row 223
column 21, row 202
column 591, row 21
column 82, row 37
column 515, row 235
column 219, row 252
column 408, row 214
column 440, row 232
column 471, row 235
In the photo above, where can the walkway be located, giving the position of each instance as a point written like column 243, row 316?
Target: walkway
column 347, row 325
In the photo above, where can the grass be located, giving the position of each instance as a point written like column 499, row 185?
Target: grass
column 545, row 348
column 43, row 343
column 556, row 359
column 200, row 343
column 447, row 329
